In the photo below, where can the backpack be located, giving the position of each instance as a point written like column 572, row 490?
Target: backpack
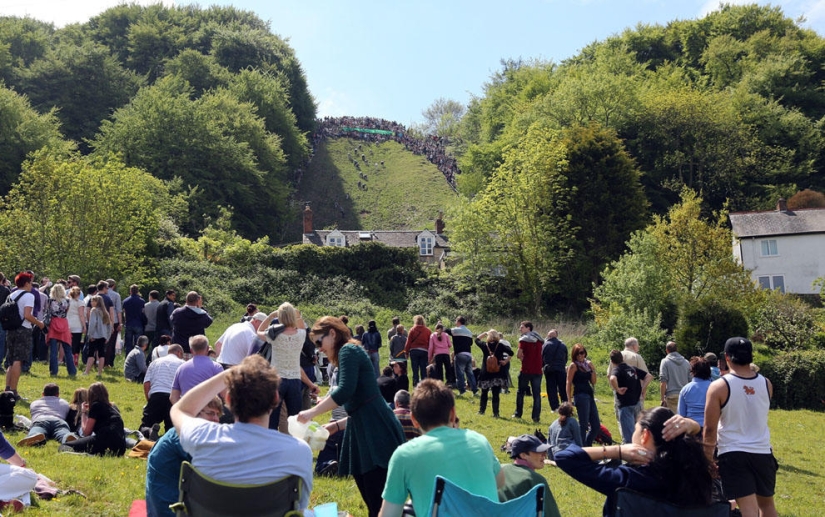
column 10, row 315
column 492, row 361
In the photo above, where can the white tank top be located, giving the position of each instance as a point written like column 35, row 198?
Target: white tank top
column 743, row 423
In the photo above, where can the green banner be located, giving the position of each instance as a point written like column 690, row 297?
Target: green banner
column 373, row 131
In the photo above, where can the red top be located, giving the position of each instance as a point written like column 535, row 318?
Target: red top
column 531, row 363
column 419, row 337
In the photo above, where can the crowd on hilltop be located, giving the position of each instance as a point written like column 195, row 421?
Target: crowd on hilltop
column 225, row 407
column 432, row 147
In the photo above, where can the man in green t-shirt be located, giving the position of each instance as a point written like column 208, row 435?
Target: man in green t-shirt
column 520, row 476
column 463, row 456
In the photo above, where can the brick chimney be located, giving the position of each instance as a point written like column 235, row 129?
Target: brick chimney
column 308, row 219
column 439, row 224
column 781, row 205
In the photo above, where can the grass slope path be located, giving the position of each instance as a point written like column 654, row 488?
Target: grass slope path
column 405, row 193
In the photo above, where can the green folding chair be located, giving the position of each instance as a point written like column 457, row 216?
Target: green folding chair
column 202, row 496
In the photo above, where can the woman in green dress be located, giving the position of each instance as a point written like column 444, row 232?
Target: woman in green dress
column 371, row 431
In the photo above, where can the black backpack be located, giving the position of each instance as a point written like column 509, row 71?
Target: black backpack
column 10, row 315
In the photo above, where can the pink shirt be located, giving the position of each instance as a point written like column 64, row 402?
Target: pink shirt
column 439, row 346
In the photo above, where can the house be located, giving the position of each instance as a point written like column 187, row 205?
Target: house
column 432, row 247
column 784, row 249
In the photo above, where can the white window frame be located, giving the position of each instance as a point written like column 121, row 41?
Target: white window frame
column 770, row 246
column 426, row 245
column 336, row 238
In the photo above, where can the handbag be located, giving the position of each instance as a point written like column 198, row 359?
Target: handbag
column 492, row 361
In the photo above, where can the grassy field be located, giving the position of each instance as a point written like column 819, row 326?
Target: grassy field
column 112, row 483
column 406, row 193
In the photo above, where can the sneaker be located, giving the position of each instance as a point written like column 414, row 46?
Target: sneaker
column 331, row 469
column 36, row 439
column 516, row 415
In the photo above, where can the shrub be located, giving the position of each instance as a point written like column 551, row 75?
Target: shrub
column 704, row 327
column 639, row 324
column 785, row 322
column 798, row 379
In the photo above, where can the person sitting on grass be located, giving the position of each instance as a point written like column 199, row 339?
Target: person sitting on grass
column 664, row 460
column 163, row 465
column 134, row 367
column 48, row 415
column 564, row 431
column 102, row 426
column 16, row 481
column 246, row 452
column 520, row 476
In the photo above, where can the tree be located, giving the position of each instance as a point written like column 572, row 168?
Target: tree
column 522, row 209
column 22, row 130
column 806, row 199
column 442, row 117
column 200, row 71
column 91, row 217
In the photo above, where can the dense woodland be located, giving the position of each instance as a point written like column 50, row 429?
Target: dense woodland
column 163, row 145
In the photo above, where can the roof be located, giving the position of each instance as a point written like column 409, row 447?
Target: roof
column 393, row 239
column 774, row 222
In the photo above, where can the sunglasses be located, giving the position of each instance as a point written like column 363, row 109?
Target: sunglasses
column 320, row 339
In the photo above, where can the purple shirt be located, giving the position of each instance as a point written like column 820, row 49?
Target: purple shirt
column 195, row 371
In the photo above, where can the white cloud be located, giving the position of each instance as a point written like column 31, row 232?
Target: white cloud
column 64, row 12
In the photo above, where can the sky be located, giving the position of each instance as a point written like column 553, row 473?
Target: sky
column 392, row 59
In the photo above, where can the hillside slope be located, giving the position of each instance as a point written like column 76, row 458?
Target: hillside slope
column 405, row 193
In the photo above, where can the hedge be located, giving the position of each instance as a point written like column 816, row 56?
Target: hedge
column 798, row 379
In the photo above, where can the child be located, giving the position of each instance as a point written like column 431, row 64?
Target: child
column 562, row 433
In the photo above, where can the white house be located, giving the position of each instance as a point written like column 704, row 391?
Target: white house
column 784, row 249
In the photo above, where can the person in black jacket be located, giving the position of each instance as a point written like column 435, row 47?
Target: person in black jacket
column 554, row 359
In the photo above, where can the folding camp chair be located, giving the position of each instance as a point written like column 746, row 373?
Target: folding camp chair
column 450, row 500
column 630, row 503
column 201, row 496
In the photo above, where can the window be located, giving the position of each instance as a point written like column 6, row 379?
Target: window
column 425, row 245
column 336, row 238
column 769, row 248
column 772, row 282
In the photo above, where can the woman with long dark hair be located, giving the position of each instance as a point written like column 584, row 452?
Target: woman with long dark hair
column 102, row 425
column 664, row 460
column 581, row 377
column 564, row 431
column 371, row 432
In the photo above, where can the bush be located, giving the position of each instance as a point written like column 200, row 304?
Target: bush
column 798, row 379
column 639, row 324
column 784, row 322
column 706, row 325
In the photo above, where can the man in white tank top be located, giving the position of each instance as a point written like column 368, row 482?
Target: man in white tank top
column 736, row 426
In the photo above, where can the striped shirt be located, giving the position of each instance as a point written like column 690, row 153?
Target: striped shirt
column 161, row 374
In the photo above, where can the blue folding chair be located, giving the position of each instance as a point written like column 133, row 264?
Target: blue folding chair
column 630, row 503
column 450, row 500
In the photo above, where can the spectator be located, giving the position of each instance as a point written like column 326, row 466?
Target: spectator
column 163, row 465
column 162, row 348
column 674, row 373
column 16, row 480
column 520, row 476
column 59, row 336
column 163, row 325
column 150, row 315
column 196, row 370
column 76, row 316
column 102, row 426
column 372, row 431
column 245, row 452
column 403, row 414
column 662, row 461
column 372, row 343
column 629, row 385
column 693, row 395
column 48, row 415
column 387, row 385
column 713, row 361
column 529, row 379
column 19, row 341
column 134, row 367
column 463, row 355
column 393, row 330
column 99, row 330
column 564, row 431
column 439, row 352
column 581, row 377
column 157, row 388
column 460, row 455
column 189, row 320
column 554, row 366
column 133, row 318
column 399, row 373
column 238, row 340
column 492, row 380
column 251, row 310
column 398, row 342
column 418, row 343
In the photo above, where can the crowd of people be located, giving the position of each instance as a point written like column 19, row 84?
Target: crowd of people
column 434, row 148
column 225, row 407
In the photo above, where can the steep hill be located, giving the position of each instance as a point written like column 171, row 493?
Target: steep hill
column 405, row 193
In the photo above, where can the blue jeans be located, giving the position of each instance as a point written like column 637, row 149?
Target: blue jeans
column 534, row 381
column 375, row 357
column 464, row 364
column 68, row 358
column 130, row 338
column 588, row 414
column 418, row 360
column 627, row 420
column 52, row 428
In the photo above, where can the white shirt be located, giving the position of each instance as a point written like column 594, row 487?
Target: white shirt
column 236, row 342
column 743, row 422
column 26, row 299
column 73, row 315
column 286, row 354
column 161, row 373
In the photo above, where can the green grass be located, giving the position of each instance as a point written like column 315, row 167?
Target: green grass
column 405, row 194
column 112, row 483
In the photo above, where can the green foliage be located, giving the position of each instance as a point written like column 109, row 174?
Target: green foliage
column 784, row 322
column 22, row 130
column 201, row 71
column 704, row 327
column 640, row 324
column 58, row 219
column 798, row 379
